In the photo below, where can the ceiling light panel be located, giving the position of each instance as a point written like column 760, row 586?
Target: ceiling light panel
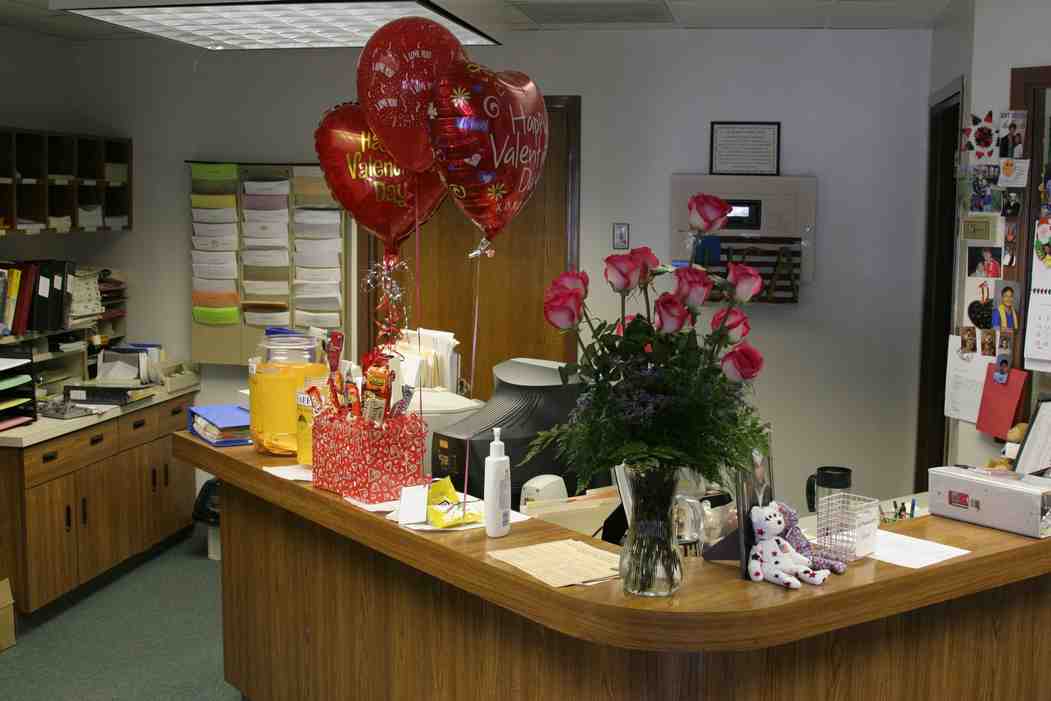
column 274, row 25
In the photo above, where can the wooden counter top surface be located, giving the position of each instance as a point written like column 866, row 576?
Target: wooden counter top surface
column 715, row 609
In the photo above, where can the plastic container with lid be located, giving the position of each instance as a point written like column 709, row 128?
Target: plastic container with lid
column 281, row 367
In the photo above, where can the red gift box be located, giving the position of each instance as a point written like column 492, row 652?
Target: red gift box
column 365, row 461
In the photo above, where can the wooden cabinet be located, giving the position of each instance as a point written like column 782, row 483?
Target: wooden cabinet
column 50, row 541
column 108, row 503
column 87, row 501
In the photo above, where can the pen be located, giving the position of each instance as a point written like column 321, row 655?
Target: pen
column 912, row 513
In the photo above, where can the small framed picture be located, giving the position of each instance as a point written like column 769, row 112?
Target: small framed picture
column 621, row 236
column 745, row 148
column 978, row 228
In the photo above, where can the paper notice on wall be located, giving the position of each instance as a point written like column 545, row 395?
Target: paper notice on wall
column 1038, row 316
column 964, row 380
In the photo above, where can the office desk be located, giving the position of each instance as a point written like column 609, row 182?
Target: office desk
column 322, row 600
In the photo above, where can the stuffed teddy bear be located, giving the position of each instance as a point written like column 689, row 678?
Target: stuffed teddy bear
column 794, row 535
column 772, row 558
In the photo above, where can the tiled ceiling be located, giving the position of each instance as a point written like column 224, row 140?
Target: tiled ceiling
column 498, row 17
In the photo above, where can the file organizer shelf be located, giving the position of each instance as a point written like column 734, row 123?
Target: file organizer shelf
column 17, row 383
column 58, row 183
column 286, row 221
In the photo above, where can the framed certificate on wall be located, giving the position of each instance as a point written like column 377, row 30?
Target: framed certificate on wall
column 745, row 148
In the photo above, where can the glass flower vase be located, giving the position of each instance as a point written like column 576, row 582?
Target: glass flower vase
column 650, row 560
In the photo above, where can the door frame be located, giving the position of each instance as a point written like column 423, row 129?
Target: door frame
column 932, row 434
column 368, row 249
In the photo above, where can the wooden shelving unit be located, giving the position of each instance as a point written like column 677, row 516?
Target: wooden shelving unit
column 64, row 183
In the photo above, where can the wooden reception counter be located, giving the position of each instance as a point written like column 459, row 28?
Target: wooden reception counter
column 322, row 600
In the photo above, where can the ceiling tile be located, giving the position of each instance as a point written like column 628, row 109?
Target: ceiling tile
column 789, row 16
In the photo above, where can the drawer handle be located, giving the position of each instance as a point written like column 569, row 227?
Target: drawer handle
column 176, row 411
column 50, row 456
column 138, row 423
column 97, row 438
column 153, row 478
column 84, row 510
column 69, row 518
column 165, row 474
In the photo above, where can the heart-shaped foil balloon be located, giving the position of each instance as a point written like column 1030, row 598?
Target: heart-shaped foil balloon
column 490, row 136
column 397, row 71
column 380, row 194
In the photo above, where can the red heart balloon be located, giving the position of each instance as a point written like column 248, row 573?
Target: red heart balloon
column 490, row 134
column 397, row 70
column 359, row 171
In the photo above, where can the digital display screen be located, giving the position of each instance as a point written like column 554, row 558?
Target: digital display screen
column 740, row 211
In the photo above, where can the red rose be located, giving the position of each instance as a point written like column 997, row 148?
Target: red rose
column 707, row 212
column 646, row 261
column 573, row 280
column 562, row 307
column 736, row 323
column 692, row 286
column 746, row 281
column 622, row 272
column 627, row 320
column 743, row 362
column 671, row 314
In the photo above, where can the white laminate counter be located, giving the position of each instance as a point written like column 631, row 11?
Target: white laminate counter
column 45, row 429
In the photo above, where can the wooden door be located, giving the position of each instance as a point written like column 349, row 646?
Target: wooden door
column 108, row 515
column 148, row 460
column 51, row 541
column 178, row 489
column 540, row 243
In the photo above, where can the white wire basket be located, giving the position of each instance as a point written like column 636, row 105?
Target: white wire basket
column 846, row 526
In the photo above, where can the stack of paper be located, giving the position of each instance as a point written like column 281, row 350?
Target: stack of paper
column 30, row 226
column 60, row 224
column 562, row 563
column 89, row 217
column 85, row 305
column 116, row 173
column 119, row 221
column 216, row 237
column 435, row 352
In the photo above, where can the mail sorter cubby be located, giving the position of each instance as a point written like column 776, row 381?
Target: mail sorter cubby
column 63, row 183
column 268, row 250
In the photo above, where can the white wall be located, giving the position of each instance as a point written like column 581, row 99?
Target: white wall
column 952, row 44
column 841, row 379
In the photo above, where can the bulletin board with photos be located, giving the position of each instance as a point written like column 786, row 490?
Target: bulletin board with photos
column 985, row 379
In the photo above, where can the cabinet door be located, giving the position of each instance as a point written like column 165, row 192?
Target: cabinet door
column 108, row 498
column 51, row 541
column 176, row 487
column 149, row 463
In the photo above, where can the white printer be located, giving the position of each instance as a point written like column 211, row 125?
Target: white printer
column 1000, row 499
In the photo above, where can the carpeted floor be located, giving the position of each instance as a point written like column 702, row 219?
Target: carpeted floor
column 148, row 633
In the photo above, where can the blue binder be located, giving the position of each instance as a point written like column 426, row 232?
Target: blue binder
column 222, row 416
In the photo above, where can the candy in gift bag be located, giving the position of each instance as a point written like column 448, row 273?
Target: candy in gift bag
column 376, row 399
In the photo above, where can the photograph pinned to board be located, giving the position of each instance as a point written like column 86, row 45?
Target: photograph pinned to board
column 1002, row 371
column 1012, row 201
column 983, row 260
column 986, row 196
column 978, row 302
column 968, row 339
column 1014, row 172
column 980, row 138
column 988, row 344
column 1005, row 342
column 1011, row 134
column 1010, row 259
column 1007, row 310
column 978, row 228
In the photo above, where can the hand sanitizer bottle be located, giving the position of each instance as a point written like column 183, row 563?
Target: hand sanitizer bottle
column 497, row 494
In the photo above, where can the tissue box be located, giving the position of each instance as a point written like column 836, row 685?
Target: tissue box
column 365, row 461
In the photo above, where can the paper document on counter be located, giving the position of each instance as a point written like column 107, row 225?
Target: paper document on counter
column 914, row 553
column 964, row 380
column 562, row 563
column 293, row 473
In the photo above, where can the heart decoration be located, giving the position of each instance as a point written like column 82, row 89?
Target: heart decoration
column 980, row 138
column 396, row 72
column 361, row 174
column 490, row 136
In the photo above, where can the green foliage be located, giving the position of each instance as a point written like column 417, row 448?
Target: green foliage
column 658, row 402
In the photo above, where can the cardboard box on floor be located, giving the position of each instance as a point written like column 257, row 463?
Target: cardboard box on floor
column 7, row 616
